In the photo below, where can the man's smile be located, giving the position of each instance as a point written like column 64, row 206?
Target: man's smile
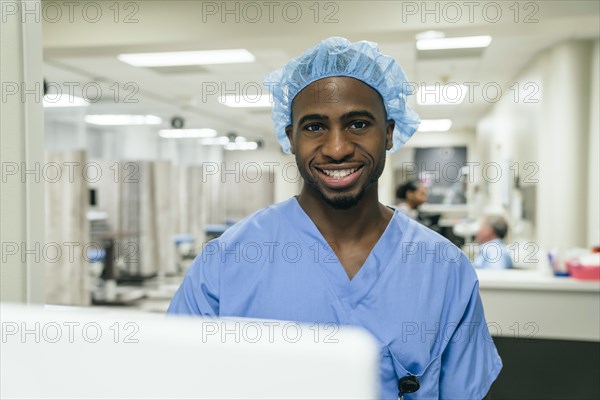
column 339, row 176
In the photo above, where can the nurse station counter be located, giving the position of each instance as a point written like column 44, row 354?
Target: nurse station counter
column 547, row 331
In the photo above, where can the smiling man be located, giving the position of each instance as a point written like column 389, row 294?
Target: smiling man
column 334, row 253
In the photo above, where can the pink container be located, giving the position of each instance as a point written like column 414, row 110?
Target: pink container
column 583, row 272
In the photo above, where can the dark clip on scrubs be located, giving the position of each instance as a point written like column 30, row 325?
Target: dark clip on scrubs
column 407, row 384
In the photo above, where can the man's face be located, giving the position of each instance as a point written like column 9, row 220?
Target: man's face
column 417, row 197
column 339, row 136
column 485, row 232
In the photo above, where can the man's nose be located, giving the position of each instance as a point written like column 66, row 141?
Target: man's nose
column 338, row 144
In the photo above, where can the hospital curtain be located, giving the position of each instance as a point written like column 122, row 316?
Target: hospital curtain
column 193, row 202
column 164, row 215
column 137, row 197
column 250, row 192
column 67, row 229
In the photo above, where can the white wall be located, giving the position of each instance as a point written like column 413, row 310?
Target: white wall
column 386, row 189
column 593, row 232
column 508, row 136
column 21, row 138
column 554, row 135
column 564, row 167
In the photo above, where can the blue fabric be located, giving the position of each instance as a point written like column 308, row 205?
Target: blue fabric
column 493, row 255
column 416, row 293
column 337, row 56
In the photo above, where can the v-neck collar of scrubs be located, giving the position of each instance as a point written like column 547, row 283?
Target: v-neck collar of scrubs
column 349, row 291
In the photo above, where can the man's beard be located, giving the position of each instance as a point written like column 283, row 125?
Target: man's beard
column 342, row 201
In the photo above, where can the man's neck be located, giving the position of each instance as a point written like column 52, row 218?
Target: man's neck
column 367, row 217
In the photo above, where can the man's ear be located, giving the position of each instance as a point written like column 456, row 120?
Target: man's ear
column 290, row 136
column 389, row 133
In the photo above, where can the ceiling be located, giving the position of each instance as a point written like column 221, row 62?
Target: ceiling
column 85, row 51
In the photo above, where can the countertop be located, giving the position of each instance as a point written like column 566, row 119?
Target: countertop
column 532, row 280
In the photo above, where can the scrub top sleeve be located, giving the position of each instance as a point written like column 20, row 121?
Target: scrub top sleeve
column 199, row 291
column 470, row 362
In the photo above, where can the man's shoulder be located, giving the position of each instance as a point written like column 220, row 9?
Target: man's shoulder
column 426, row 249
column 415, row 231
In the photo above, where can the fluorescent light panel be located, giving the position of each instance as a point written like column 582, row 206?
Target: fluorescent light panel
column 238, row 101
column 123, row 119
column 187, row 133
column 239, row 143
column 435, row 125
column 241, row 146
column 221, row 140
column 441, row 94
column 430, row 35
column 467, row 42
column 170, row 59
column 64, row 100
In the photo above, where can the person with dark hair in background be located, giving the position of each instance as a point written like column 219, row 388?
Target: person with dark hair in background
column 493, row 252
column 411, row 195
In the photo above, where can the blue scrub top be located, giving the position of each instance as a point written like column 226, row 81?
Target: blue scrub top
column 416, row 293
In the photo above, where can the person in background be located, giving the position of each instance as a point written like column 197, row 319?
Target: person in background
column 411, row 195
column 492, row 252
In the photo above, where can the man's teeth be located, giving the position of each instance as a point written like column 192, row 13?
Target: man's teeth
column 340, row 173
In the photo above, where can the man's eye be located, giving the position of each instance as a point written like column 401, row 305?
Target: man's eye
column 359, row 125
column 313, row 127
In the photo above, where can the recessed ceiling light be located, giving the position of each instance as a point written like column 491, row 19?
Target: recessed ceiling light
column 187, row 133
column 466, row 42
column 238, row 101
column 435, row 125
column 123, row 119
column 232, row 56
column 441, row 94
column 63, row 100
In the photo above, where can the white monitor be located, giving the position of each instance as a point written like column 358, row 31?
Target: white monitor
column 82, row 353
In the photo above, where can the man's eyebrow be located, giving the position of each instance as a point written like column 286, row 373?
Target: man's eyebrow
column 317, row 117
column 361, row 113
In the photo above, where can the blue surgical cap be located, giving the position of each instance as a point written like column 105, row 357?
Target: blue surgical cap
column 337, row 56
